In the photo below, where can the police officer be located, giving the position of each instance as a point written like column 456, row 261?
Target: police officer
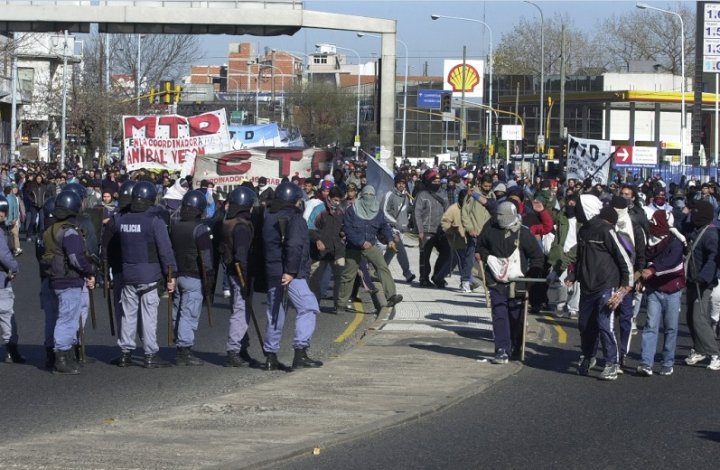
column 147, row 255
column 8, row 328
column 287, row 262
column 70, row 271
column 111, row 251
column 236, row 245
column 48, row 299
column 192, row 245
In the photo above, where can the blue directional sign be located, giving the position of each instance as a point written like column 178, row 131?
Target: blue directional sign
column 429, row 99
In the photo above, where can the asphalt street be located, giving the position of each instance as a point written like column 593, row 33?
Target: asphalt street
column 37, row 401
column 546, row 416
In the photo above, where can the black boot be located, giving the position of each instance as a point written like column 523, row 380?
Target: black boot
column 49, row 358
column 251, row 361
column 233, row 359
column 271, row 362
column 12, row 355
column 302, row 360
column 64, row 363
column 79, row 357
column 125, row 360
column 153, row 361
column 184, row 357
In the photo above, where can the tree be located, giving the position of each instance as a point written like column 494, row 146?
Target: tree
column 518, row 52
column 94, row 111
column 648, row 35
column 324, row 114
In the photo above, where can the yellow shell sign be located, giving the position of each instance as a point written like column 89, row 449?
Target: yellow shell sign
column 473, row 71
column 471, row 77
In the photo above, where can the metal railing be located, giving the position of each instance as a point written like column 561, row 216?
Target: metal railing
column 291, row 4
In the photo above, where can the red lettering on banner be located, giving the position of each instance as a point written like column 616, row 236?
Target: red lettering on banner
column 284, row 156
column 234, row 163
column 318, row 158
column 204, row 124
column 173, row 122
column 148, row 124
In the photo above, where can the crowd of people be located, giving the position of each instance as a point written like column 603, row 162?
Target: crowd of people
column 594, row 253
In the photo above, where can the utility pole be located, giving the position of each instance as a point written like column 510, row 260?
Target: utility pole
column 563, row 63
column 108, row 118
column 13, row 109
column 63, row 137
column 463, row 130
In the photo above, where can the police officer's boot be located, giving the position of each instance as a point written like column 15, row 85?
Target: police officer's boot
column 80, row 359
column 271, row 362
column 153, row 361
column 249, row 360
column 64, row 363
column 125, row 359
column 233, row 359
column 184, row 357
column 49, row 358
column 302, row 360
column 12, row 355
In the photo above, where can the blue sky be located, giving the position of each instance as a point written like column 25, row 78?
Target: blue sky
column 428, row 40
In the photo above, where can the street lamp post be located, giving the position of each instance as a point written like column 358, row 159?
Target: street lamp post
column 357, row 116
column 542, row 74
column 405, row 88
column 490, row 65
column 644, row 6
column 137, row 73
column 237, row 88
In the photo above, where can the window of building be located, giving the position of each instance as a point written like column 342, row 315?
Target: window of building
column 320, row 59
column 26, row 80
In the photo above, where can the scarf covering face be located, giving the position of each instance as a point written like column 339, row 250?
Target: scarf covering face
column 659, row 235
column 367, row 206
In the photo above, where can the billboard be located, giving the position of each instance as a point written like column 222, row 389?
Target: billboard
column 453, row 77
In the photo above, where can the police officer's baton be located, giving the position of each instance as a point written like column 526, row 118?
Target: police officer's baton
column 249, row 307
column 81, row 340
column 108, row 297
column 169, row 310
column 91, row 301
column 206, row 298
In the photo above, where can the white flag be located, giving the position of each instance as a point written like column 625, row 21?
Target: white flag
column 588, row 158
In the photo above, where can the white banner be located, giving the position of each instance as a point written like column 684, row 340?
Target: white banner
column 166, row 142
column 588, row 158
column 229, row 170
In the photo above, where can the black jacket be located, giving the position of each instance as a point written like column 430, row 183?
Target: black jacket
column 500, row 242
column 602, row 262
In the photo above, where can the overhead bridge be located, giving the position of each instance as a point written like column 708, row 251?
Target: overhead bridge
column 232, row 17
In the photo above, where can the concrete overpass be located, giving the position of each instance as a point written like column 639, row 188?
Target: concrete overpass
column 233, row 17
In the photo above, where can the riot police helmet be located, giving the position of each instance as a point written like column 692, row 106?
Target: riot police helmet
column 4, row 206
column 144, row 190
column 288, row 192
column 243, row 197
column 77, row 188
column 194, row 199
column 49, row 207
column 67, row 204
column 126, row 188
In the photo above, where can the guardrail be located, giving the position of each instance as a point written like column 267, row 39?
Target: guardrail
column 291, row 4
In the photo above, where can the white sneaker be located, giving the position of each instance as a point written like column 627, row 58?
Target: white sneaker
column 693, row 358
column 714, row 363
column 226, row 293
column 465, row 287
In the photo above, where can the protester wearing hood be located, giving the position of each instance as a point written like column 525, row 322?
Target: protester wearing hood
column 265, row 193
column 664, row 279
column 430, row 205
column 363, row 223
column 632, row 237
column 563, row 253
column 701, row 280
column 500, row 239
column 602, row 268
column 396, row 207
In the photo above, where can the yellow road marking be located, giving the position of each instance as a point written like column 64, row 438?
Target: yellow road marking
column 562, row 335
column 359, row 315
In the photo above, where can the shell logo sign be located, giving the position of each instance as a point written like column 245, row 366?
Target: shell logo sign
column 453, row 73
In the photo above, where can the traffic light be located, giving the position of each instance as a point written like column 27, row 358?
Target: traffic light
column 178, row 92
column 152, row 96
column 167, row 89
column 446, row 102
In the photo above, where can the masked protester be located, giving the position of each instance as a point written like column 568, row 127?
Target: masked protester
column 396, row 210
column 327, row 247
column 701, row 279
column 430, row 205
column 362, row 223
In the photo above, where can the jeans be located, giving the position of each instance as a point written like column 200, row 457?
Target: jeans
column 595, row 321
column 665, row 307
column 401, row 256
